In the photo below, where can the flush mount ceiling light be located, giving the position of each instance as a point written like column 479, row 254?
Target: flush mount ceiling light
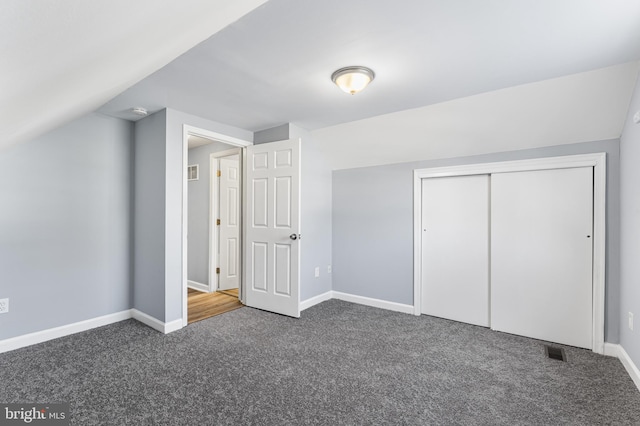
column 352, row 79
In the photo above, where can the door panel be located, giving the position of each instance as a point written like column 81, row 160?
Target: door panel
column 259, row 267
column 283, row 269
column 283, row 202
column 232, row 264
column 455, row 247
column 273, row 206
column 541, row 254
column 229, row 211
column 259, row 210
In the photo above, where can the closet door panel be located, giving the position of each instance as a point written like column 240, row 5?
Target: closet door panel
column 455, row 248
column 541, row 254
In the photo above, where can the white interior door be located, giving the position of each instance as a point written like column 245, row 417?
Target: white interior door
column 229, row 225
column 272, row 248
column 541, row 254
column 455, row 248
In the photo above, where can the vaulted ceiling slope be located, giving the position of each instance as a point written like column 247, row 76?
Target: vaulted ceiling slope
column 62, row 59
column 273, row 66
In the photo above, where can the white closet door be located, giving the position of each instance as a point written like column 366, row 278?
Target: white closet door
column 541, row 254
column 455, row 248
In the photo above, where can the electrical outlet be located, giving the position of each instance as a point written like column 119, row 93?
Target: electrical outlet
column 631, row 321
column 317, row 271
column 4, row 306
column 328, row 269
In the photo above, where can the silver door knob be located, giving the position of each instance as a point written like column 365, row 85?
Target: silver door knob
column 295, row 236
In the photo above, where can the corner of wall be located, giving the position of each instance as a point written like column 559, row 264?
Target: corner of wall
column 149, row 214
column 630, row 230
column 316, row 181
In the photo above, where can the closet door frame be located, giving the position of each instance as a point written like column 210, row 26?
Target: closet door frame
column 595, row 160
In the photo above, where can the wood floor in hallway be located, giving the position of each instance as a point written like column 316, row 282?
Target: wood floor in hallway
column 206, row 305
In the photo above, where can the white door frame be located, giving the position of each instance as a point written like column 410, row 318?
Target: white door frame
column 216, row 137
column 596, row 160
column 214, row 211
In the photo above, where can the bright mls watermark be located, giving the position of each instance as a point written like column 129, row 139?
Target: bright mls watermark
column 34, row 414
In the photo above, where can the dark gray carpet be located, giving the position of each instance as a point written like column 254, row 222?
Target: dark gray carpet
column 339, row 364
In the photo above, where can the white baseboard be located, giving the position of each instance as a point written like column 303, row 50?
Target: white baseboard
column 612, row 349
column 64, row 330
column 156, row 324
column 376, row 303
column 25, row 340
column 360, row 300
column 306, row 304
column 175, row 325
column 618, row 351
column 198, row 286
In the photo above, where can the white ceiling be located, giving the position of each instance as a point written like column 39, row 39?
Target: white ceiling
column 273, row 66
column 62, row 59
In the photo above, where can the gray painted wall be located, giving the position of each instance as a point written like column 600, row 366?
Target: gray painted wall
column 373, row 225
column 630, row 231
column 65, row 224
column 199, row 206
column 315, row 218
column 149, row 215
column 279, row 133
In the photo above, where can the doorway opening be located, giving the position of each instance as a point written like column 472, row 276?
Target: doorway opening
column 212, row 223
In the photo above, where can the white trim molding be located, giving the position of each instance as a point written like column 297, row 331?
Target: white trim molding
column 25, row 340
column 216, row 137
column 156, row 324
column 198, row 286
column 596, row 160
column 359, row 300
column 306, row 304
column 375, row 303
column 618, row 351
column 175, row 325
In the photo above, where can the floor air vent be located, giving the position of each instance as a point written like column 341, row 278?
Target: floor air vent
column 555, row 353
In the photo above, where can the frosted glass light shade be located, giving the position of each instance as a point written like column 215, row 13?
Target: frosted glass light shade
column 352, row 79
